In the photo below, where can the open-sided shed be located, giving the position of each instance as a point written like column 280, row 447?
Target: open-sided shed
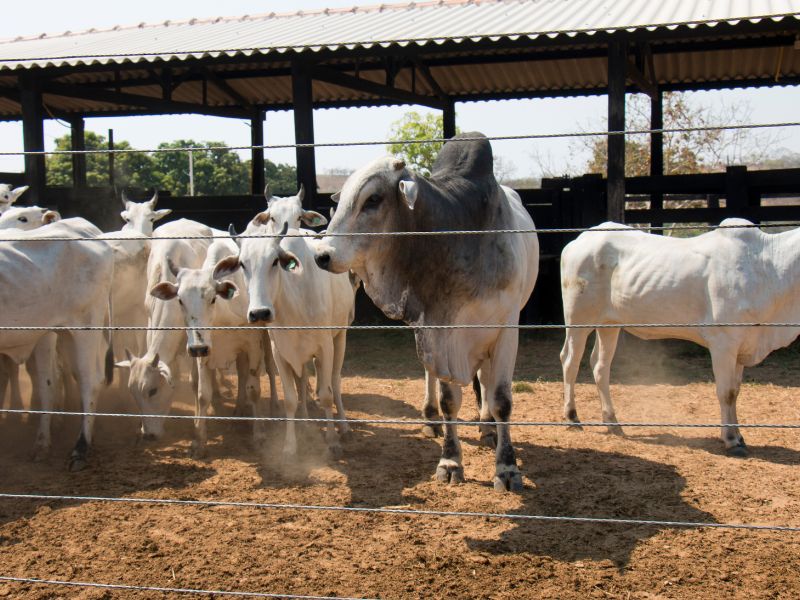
column 427, row 53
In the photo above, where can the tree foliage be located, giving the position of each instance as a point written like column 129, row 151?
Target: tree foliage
column 416, row 126
column 688, row 151
column 217, row 171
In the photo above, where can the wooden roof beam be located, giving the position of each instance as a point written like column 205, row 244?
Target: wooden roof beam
column 344, row 80
column 226, row 88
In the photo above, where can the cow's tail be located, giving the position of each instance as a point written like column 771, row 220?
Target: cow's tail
column 476, row 387
column 109, row 362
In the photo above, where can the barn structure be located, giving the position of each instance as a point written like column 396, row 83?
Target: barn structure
column 434, row 54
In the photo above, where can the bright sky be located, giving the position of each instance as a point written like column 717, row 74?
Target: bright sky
column 492, row 118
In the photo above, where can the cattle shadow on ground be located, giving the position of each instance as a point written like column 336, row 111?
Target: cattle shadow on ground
column 778, row 455
column 374, row 473
column 590, row 483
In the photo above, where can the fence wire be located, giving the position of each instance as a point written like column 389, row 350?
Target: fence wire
column 446, row 232
column 404, row 511
column 437, row 140
column 381, row 421
column 166, row 590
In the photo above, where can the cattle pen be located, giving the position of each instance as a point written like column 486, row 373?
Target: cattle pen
column 661, row 512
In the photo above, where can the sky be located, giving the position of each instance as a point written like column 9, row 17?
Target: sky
column 521, row 158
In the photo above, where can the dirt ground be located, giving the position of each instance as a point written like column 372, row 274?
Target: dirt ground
column 668, row 474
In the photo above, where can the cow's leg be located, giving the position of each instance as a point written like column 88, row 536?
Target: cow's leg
column 339, row 346
column 252, row 387
column 325, row 365
column 15, row 397
column 571, row 355
column 605, row 345
column 303, row 389
column 205, row 391
column 430, row 409
column 727, row 375
column 44, row 372
column 88, row 352
column 507, row 475
column 487, row 427
column 290, row 401
column 243, row 406
column 269, row 365
column 449, row 469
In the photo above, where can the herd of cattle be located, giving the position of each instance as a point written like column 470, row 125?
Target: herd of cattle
column 71, row 281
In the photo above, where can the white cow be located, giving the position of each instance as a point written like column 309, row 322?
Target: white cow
column 141, row 216
column 150, row 379
column 27, row 217
column 58, row 284
column 445, row 280
column 8, row 196
column 197, row 292
column 289, row 211
column 725, row 275
column 287, row 288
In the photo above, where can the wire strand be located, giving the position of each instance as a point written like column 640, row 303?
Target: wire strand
column 165, row 590
column 491, row 138
column 403, row 511
column 381, row 421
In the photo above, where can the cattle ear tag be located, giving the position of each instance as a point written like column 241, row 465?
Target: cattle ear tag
column 409, row 191
column 230, row 292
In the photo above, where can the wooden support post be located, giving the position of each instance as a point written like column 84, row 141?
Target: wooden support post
column 657, row 151
column 78, row 143
column 617, row 66
column 449, row 118
column 304, row 131
column 33, row 137
column 257, row 154
column 111, row 157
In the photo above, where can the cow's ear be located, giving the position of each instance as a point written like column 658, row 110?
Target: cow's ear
column 51, row 216
column 261, row 218
column 335, row 197
column 409, row 192
column 313, row 219
column 226, row 267
column 123, row 364
column 160, row 214
column 289, row 262
column 164, row 371
column 227, row 290
column 17, row 192
column 166, row 290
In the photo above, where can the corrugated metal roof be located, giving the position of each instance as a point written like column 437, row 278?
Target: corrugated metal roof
column 422, row 23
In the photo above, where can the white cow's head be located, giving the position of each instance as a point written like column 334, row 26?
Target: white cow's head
column 27, row 217
column 376, row 198
column 140, row 216
column 150, row 383
column 264, row 263
column 197, row 291
column 289, row 211
column 8, row 196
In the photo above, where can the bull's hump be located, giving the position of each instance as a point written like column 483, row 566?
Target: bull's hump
column 464, row 156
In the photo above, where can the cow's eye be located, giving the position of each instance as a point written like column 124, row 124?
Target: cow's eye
column 152, row 392
column 372, row 202
column 275, row 263
column 242, row 267
column 23, row 219
column 180, row 301
column 214, row 300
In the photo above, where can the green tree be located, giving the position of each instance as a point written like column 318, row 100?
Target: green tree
column 217, row 171
column 416, row 126
column 281, row 177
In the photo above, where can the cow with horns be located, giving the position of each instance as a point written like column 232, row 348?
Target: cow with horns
column 9, row 195
column 475, row 280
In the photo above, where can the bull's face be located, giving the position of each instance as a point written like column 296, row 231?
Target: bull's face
column 27, row 218
column 264, row 264
column 150, row 384
column 196, row 292
column 376, row 198
column 289, row 212
column 140, row 216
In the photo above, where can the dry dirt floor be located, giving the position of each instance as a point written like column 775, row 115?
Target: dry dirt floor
column 650, row 473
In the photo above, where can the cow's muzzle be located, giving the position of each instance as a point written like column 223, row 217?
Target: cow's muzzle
column 323, row 260
column 198, row 351
column 260, row 315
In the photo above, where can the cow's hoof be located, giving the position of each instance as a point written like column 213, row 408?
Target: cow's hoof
column 40, row 452
column 345, row 431
column 738, row 451
column 198, row 451
column 452, row 474
column 574, row 425
column 489, row 437
column 615, row 430
column 335, row 452
column 508, row 481
column 432, row 431
column 77, row 463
